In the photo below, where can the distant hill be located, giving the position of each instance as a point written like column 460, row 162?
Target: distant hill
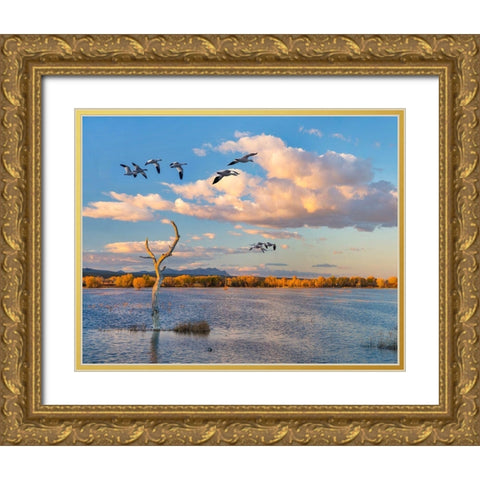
column 169, row 272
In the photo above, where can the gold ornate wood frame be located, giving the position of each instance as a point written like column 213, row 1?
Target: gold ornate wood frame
column 24, row 60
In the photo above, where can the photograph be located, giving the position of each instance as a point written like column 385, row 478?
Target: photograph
column 239, row 237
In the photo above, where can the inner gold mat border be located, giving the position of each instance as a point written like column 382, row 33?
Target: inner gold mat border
column 80, row 113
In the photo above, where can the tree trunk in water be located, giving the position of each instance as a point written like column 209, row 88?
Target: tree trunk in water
column 159, row 274
column 155, row 299
column 155, row 308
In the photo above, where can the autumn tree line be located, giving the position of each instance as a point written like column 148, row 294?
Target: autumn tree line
column 146, row 281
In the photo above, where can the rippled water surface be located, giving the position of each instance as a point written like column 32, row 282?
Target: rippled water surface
column 248, row 326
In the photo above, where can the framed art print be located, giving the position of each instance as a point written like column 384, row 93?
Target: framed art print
column 239, row 239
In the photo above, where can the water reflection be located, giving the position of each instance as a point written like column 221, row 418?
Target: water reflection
column 154, row 347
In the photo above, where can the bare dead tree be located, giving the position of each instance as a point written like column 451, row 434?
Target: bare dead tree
column 159, row 274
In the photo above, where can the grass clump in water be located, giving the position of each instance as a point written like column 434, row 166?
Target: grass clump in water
column 200, row 328
column 384, row 342
column 137, row 328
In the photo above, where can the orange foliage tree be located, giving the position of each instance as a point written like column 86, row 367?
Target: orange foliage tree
column 93, row 282
column 139, row 282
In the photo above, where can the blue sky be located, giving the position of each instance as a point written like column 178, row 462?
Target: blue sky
column 323, row 188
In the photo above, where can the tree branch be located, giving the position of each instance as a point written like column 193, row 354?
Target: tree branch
column 150, row 252
column 156, row 263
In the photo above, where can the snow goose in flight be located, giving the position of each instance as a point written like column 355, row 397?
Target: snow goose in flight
column 224, row 173
column 154, row 161
column 139, row 170
column 268, row 244
column 244, row 159
column 128, row 171
column 179, row 168
column 258, row 246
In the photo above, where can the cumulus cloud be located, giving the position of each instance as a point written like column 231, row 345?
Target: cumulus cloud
column 298, row 188
column 209, row 235
column 332, row 189
column 128, row 208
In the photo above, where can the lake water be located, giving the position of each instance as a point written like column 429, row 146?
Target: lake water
column 248, row 326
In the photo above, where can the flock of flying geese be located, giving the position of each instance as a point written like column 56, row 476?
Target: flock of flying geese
column 137, row 170
column 262, row 246
column 230, row 171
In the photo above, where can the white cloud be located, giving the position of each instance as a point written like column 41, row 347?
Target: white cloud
column 332, row 189
column 202, row 151
column 311, row 131
column 137, row 247
column 199, row 152
column 339, row 136
column 238, row 134
column 209, row 235
column 129, row 208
